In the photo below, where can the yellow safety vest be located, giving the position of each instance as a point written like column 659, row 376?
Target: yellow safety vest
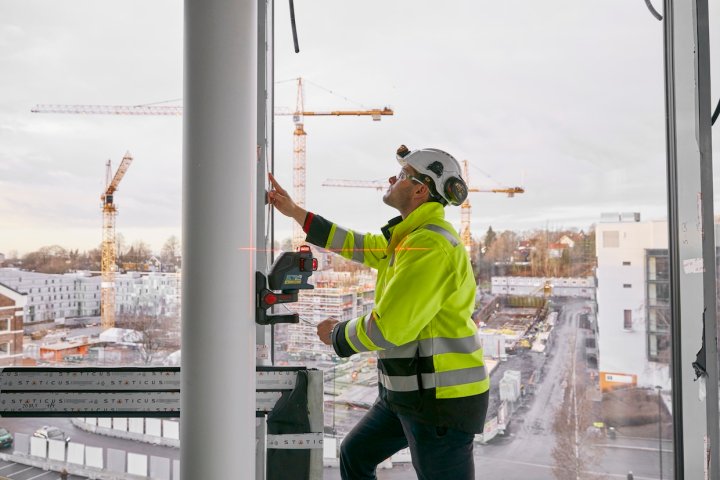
column 430, row 358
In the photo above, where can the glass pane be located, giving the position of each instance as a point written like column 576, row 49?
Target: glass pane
column 573, row 294
column 52, row 174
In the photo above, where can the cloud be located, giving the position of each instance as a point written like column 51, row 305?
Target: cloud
column 566, row 98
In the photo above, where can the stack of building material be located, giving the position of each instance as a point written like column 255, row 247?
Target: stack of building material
column 510, row 386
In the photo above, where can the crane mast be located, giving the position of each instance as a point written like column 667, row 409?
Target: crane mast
column 299, row 174
column 109, row 250
column 465, row 210
column 299, row 134
column 299, row 147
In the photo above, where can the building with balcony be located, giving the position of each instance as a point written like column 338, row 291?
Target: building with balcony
column 51, row 297
column 633, row 307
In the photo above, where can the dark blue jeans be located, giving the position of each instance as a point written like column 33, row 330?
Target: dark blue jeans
column 438, row 453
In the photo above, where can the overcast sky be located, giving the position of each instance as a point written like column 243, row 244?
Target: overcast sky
column 564, row 98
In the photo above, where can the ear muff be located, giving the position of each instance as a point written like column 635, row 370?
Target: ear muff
column 456, row 190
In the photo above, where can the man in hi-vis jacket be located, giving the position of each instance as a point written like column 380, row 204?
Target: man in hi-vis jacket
column 432, row 381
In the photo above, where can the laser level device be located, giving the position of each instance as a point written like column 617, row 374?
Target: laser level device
column 288, row 274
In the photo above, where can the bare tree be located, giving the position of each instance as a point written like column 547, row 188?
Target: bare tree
column 503, row 247
column 121, row 246
column 158, row 333
column 575, row 453
column 170, row 251
column 49, row 259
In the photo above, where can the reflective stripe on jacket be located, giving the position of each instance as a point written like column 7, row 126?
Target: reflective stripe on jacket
column 430, row 359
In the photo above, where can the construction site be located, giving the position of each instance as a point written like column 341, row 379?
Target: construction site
column 339, row 295
column 507, row 94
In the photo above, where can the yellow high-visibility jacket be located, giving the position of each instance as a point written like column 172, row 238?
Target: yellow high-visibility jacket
column 430, row 359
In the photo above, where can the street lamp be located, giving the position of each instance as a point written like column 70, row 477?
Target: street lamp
column 659, row 389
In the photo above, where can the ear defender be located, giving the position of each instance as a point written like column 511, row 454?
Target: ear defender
column 455, row 190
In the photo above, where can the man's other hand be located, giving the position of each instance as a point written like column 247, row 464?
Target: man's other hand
column 324, row 330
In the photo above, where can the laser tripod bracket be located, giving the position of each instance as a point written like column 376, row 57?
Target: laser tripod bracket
column 288, row 274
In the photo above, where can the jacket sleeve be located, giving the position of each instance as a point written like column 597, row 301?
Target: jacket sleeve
column 364, row 248
column 422, row 280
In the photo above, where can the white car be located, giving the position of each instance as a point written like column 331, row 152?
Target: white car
column 51, row 433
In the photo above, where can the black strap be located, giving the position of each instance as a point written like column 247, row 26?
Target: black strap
column 699, row 365
column 290, row 415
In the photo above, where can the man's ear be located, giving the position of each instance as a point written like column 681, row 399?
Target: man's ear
column 422, row 191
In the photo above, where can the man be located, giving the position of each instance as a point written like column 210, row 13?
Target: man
column 432, row 379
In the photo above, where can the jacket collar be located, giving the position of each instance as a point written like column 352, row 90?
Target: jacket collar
column 397, row 228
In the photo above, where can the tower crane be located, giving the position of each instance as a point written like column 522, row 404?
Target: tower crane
column 299, row 134
column 465, row 208
column 107, row 287
column 299, row 141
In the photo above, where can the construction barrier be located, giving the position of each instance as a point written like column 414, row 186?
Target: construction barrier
column 89, row 461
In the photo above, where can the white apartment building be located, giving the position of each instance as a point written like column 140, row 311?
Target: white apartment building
column 633, row 301
column 70, row 295
column 580, row 287
column 51, row 296
column 148, row 293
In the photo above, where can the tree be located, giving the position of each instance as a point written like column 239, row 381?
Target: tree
column 120, row 246
column 49, row 259
column 94, row 259
column 502, row 248
column 575, row 453
column 170, row 251
column 139, row 252
column 539, row 254
column 489, row 237
column 158, row 333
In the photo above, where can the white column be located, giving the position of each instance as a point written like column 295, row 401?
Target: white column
column 219, row 196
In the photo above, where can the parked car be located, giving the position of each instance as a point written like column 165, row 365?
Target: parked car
column 6, row 438
column 51, row 433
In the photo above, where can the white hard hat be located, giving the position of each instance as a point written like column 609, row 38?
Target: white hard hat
column 440, row 168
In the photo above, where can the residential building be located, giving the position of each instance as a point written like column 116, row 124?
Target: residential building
column 54, row 296
column 338, row 295
column 51, row 297
column 536, row 286
column 12, row 304
column 633, row 292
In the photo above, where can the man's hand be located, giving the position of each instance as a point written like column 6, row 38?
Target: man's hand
column 325, row 328
column 281, row 200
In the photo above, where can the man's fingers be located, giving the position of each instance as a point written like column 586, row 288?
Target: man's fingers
column 275, row 184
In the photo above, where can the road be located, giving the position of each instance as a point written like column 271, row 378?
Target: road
column 526, row 452
column 29, row 425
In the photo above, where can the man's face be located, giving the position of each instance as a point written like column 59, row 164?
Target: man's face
column 399, row 192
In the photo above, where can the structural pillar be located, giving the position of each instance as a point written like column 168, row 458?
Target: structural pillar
column 692, row 238
column 219, row 201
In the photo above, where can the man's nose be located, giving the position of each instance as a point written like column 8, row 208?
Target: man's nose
column 392, row 180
